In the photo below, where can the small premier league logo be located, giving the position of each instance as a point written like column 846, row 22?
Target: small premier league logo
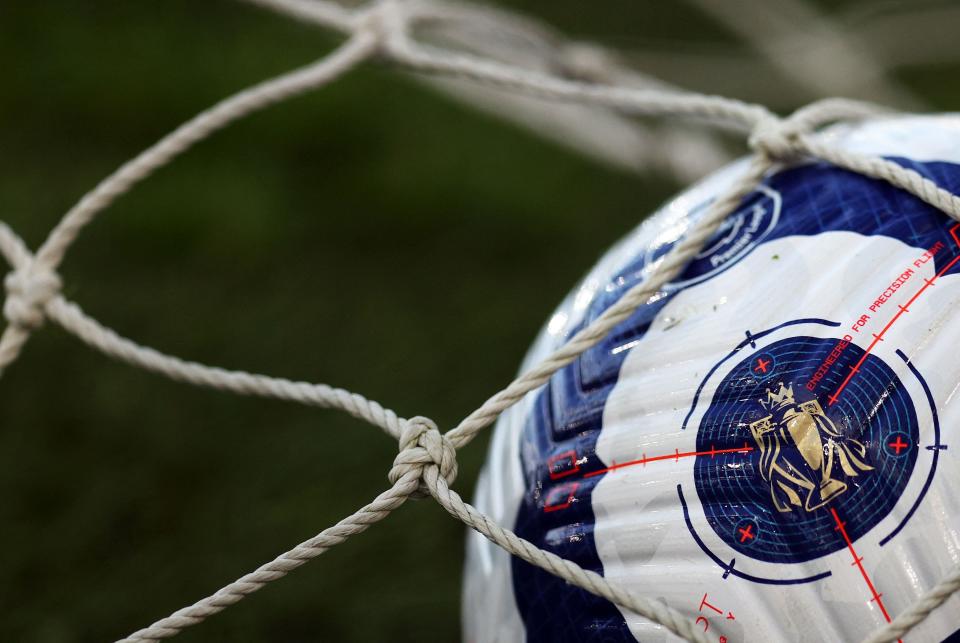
column 741, row 232
column 799, row 447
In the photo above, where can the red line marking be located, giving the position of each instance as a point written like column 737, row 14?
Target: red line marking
column 948, row 266
column 675, row 456
column 903, row 309
column 858, row 561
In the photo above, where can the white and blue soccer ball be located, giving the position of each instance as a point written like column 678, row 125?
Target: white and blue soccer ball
column 770, row 446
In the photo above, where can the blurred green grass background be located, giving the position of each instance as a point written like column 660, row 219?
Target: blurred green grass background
column 373, row 235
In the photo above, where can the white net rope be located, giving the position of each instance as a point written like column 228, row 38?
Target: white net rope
column 426, row 464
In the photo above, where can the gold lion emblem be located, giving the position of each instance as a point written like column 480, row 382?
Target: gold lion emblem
column 799, row 446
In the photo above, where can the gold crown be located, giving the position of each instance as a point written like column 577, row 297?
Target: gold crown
column 783, row 397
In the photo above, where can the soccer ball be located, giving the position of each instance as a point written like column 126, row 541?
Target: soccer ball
column 765, row 445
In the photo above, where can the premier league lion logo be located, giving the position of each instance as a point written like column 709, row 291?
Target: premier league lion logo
column 799, row 447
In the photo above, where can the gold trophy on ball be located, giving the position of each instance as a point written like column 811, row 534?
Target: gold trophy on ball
column 799, row 446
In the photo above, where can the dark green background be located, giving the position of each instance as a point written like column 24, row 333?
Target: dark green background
column 373, row 235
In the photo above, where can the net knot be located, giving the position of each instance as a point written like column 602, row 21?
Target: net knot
column 386, row 21
column 422, row 446
column 29, row 288
column 778, row 138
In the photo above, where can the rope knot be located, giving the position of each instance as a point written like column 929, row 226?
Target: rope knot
column 387, row 21
column 422, row 447
column 29, row 288
column 778, row 138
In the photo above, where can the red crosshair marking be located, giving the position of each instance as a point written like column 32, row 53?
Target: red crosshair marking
column 761, row 365
column 746, row 533
column 858, row 561
column 675, row 456
column 898, row 445
column 878, row 337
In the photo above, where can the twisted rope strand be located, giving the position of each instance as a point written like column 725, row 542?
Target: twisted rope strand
column 97, row 336
column 399, row 48
column 325, row 14
column 919, row 611
column 426, row 463
column 590, row 581
column 361, row 45
column 358, row 522
column 891, row 172
column 668, row 268
column 72, row 318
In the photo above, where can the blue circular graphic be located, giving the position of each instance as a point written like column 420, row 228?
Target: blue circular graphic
column 801, row 458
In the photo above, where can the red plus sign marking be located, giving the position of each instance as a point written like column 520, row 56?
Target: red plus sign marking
column 761, row 365
column 899, row 444
column 746, row 533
